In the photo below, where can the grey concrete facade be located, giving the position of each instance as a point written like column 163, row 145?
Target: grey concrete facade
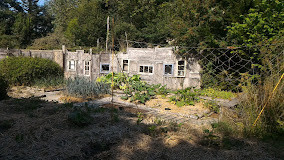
column 155, row 65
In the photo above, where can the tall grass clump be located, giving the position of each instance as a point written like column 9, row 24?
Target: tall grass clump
column 81, row 87
column 271, row 121
column 26, row 70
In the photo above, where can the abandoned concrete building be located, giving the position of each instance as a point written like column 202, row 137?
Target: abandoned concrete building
column 155, row 65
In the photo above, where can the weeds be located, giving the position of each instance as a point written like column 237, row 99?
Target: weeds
column 140, row 118
column 212, row 105
column 217, row 93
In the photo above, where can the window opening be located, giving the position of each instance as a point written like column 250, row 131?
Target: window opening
column 168, row 69
column 181, row 68
column 87, row 68
column 71, row 65
column 105, row 68
column 125, row 65
column 146, row 69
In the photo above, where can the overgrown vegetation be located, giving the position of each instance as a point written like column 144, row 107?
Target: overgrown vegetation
column 133, row 87
column 137, row 90
column 188, row 96
column 216, row 93
column 81, row 87
column 271, row 122
column 27, row 70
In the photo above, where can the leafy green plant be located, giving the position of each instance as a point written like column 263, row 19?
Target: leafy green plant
column 26, row 70
column 188, row 96
column 133, row 87
column 140, row 117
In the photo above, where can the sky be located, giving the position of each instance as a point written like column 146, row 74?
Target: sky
column 41, row 2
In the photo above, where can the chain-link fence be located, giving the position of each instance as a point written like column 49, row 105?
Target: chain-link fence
column 228, row 68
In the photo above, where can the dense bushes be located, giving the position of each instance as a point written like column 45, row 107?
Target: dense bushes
column 26, row 70
column 3, row 88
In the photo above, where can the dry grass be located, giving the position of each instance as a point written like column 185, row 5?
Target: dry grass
column 44, row 132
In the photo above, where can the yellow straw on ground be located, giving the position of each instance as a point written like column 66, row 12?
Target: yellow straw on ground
column 268, row 99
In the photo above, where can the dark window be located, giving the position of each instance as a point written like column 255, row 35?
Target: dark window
column 146, row 69
column 105, row 68
column 72, row 65
column 168, row 69
column 87, row 68
column 181, row 68
column 125, row 65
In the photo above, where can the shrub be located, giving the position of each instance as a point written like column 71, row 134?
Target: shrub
column 25, row 70
column 3, row 88
column 81, row 87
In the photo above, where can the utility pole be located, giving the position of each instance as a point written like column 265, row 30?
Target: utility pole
column 107, row 34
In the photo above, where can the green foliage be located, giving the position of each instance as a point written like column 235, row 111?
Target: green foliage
column 263, row 23
column 26, row 70
column 133, row 87
column 213, row 106
column 263, row 26
column 217, row 93
column 22, row 21
column 188, row 96
column 51, row 41
column 3, row 88
column 81, row 87
column 140, row 117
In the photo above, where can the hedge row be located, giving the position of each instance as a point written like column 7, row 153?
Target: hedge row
column 26, row 70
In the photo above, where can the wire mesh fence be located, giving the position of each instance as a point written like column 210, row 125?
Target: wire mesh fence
column 227, row 68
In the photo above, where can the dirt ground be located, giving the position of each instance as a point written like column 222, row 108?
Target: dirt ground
column 162, row 103
column 36, row 129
